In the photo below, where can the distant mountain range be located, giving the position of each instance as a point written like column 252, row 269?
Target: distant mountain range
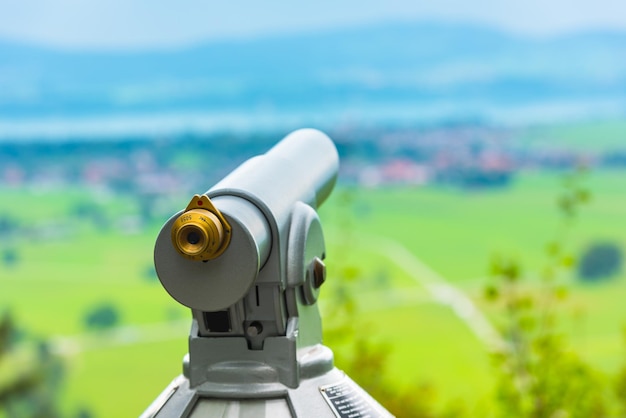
column 394, row 73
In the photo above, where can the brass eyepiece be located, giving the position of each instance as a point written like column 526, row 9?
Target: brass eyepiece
column 201, row 232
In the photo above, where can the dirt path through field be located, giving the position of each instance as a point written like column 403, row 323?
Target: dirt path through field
column 441, row 290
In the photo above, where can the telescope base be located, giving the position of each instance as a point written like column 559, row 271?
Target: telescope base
column 330, row 396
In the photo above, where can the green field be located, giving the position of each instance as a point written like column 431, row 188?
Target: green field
column 456, row 233
column 68, row 263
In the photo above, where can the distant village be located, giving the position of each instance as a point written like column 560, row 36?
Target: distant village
column 459, row 156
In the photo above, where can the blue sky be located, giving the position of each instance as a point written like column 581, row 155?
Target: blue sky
column 131, row 24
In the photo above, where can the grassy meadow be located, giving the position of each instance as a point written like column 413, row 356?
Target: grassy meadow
column 68, row 262
column 456, row 233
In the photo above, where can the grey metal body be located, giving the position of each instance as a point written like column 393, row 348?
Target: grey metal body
column 256, row 339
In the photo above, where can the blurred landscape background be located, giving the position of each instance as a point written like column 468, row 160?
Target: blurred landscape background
column 481, row 147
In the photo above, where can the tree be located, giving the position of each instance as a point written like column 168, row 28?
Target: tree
column 601, row 260
column 10, row 257
column 102, row 316
column 538, row 374
column 30, row 375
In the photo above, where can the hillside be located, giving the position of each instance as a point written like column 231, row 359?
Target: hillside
column 400, row 72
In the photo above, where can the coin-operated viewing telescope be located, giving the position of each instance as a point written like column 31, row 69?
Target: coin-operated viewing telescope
column 247, row 258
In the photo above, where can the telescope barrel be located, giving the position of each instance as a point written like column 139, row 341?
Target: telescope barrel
column 303, row 167
column 208, row 260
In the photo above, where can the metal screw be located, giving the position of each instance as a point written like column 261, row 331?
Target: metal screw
column 254, row 329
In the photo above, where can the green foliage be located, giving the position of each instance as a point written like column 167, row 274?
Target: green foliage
column 102, row 316
column 538, row 374
column 363, row 358
column 8, row 225
column 150, row 274
column 449, row 231
column 10, row 257
column 601, row 260
column 90, row 211
column 30, row 375
column 620, row 381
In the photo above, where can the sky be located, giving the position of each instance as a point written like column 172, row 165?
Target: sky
column 154, row 24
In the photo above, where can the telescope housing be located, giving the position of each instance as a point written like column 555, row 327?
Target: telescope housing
column 247, row 257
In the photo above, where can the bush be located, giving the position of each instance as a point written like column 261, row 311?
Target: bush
column 10, row 257
column 601, row 260
column 31, row 388
column 102, row 317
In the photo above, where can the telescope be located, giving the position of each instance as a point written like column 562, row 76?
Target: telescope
column 247, row 257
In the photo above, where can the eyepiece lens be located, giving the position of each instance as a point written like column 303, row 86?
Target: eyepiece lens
column 193, row 237
column 198, row 234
